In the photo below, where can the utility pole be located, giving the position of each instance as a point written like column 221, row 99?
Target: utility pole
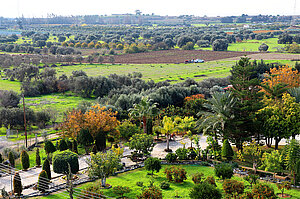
column 24, row 121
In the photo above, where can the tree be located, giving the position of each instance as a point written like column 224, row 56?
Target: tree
column 263, row 47
column 100, row 59
column 49, row 147
column 152, row 164
column 102, row 165
column 168, row 127
column 141, row 143
column 61, row 159
column 128, row 129
column 37, row 158
column 25, row 160
column 63, row 145
column 112, row 59
column 227, row 151
column 85, row 138
column 220, row 45
column 205, row 191
column 11, row 159
column 292, row 158
column 246, row 89
column 43, row 181
column 272, row 162
column 144, row 110
column 46, row 167
column 254, row 153
column 17, row 184
column 9, row 99
column 284, row 185
column 285, row 124
column 219, row 116
column 121, row 190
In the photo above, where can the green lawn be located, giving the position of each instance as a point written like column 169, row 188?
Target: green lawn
column 182, row 189
column 252, row 45
column 10, row 85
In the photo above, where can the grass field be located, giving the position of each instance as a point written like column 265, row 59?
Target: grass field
column 182, row 189
column 10, row 85
column 252, row 45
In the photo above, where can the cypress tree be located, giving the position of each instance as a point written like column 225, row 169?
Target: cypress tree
column 37, row 158
column 227, row 151
column 17, row 184
column 63, row 145
column 46, row 167
column 11, row 159
column 43, row 181
column 25, row 160
column 1, row 158
column 74, row 146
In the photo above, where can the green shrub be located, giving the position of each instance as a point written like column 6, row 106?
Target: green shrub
column 224, row 171
column 263, row 191
column 171, row 157
column 63, row 145
column 49, row 147
column 164, row 185
column 121, row 190
column 152, row 164
column 227, row 151
column 205, row 191
column 182, row 153
column 85, row 138
column 197, row 177
column 17, row 184
column 46, row 167
column 233, row 186
column 37, row 157
column 211, row 180
column 151, row 192
column 61, row 160
column 25, row 160
column 43, row 181
column 175, row 174
column 11, row 159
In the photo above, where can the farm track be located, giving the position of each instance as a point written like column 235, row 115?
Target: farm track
column 175, row 56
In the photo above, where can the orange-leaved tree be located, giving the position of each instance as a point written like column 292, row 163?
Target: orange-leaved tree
column 279, row 80
column 97, row 120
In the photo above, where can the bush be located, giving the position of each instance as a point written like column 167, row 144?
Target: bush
column 224, row 171
column 227, row 151
column 233, row 186
column 151, row 192
column 205, row 191
column 46, row 167
column 121, row 190
column 37, row 157
column 263, row 191
column 152, row 164
column 92, row 191
column 61, row 160
column 17, row 184
column 182, row 153
column 85, row 138
column 175, row 174
column 49, row 147
column 171, row 157
column 25, row 160
column 211, row 180
column 43, row 181
column 263, row 47
column 197, row 177
column 11, row 159
column 164, row 185
column 63, row 145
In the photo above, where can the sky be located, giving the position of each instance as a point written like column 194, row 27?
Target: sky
column 40, row 8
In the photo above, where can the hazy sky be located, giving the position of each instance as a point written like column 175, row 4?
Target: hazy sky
column 40, row 8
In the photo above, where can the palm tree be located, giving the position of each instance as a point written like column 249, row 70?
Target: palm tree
column 220, row 108
column 169, row 127
column 143, row 111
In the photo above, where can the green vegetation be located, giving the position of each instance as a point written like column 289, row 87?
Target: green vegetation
column 130, row 179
